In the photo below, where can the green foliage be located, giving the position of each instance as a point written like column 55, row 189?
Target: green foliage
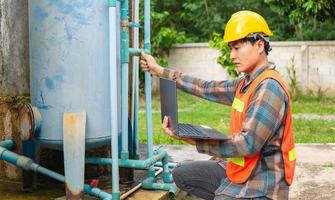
column 175, row 21
column 289, row 20
column 224, row 58
column 305, row 18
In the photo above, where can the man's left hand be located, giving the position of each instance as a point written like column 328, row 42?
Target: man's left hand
column 171, row 133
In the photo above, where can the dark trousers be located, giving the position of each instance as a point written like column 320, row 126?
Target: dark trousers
column 201, row 178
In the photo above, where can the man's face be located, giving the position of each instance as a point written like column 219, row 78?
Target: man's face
column 245, row 55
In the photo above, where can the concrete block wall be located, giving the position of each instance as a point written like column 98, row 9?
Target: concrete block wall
column 14, row 73
column 314, row 62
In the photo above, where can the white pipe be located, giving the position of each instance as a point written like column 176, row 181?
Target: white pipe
column 114, row 98
column 136, row 80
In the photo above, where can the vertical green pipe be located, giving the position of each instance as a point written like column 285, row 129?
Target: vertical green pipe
column 147, row 77
column 124, row 75
column 167, row 177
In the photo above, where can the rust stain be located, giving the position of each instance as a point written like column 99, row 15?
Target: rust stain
column 26, row 121
column 73, row 122
column 73, row 196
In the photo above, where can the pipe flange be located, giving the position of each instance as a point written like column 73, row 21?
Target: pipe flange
column 29, row 121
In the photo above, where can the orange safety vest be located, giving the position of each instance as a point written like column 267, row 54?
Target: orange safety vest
column 239, row 168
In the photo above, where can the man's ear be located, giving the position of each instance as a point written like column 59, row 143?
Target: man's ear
column 260, row 46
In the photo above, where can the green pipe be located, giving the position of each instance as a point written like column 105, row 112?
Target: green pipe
column 137, row 164
column 111, row 3
column 124, row 78
column 124, row 32
column 172, row 188
column 137, row 52
column 93, row 191
column 8, row 144
column 135, row 25
column 170, row 164
column 150, row 184
column 147, row 89
column 28, row 164
column 167, row 177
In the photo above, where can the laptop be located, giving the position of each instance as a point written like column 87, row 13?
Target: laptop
column 169, row 107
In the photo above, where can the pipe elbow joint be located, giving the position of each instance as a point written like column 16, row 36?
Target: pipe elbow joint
column 148, row 183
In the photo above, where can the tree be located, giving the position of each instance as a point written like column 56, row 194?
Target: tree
column 307, row 17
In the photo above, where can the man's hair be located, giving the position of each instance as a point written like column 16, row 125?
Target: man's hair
column 258, row 36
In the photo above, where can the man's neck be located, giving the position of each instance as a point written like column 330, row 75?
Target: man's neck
column 260, row 64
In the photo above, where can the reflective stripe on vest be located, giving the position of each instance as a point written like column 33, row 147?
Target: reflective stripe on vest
column 292, row 154
column 238, row 105
column 237, row 161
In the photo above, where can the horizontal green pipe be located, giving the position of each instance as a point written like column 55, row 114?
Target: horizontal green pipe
column 137, row 52
column 8, row 144
column 138, row 164
column 131, row 24
column 172, row 188
column 150, row 184
column 93, row 191
column 27, row 164
column 50, row 173
column 170, row 164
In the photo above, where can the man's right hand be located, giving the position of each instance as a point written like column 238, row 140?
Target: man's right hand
column 149, row 64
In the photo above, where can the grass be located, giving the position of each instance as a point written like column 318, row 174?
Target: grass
column 314, row 105
column 198, row 111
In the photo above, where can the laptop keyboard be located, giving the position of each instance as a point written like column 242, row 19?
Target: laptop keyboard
column 187, row 129
column 199, row 131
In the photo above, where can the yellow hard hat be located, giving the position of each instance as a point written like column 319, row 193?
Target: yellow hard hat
column 243, row 23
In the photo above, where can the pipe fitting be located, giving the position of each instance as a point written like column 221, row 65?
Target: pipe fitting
column 148, row 183
column 25, row 163
column 111, row 3
column 30, row 120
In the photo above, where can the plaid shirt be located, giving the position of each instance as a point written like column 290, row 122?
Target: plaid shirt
column 262, row 132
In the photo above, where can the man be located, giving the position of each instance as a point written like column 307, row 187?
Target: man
column 260, row 153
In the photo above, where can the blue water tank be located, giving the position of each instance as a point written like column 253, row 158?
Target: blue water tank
column 69, row 67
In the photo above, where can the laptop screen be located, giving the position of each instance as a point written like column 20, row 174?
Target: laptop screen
column 168, row 94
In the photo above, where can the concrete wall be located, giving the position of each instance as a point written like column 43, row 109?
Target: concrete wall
column 314, row 61
column 14, row 72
